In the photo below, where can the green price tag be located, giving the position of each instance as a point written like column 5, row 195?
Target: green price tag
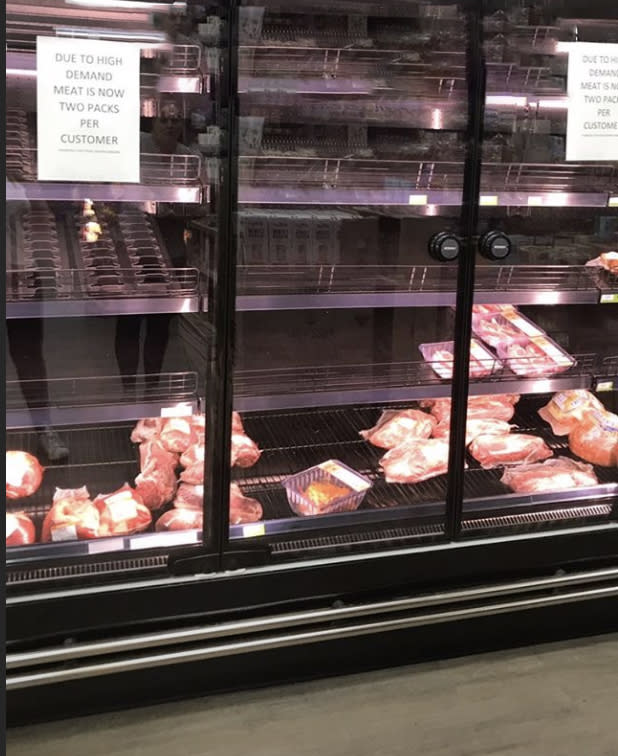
column 609, row 298
column 605, row 386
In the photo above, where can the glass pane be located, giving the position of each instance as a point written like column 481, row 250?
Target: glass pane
column 352, row 144
column 545, row 286
column 103, row 390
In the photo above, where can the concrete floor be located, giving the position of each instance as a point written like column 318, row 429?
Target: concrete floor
column 554, row 700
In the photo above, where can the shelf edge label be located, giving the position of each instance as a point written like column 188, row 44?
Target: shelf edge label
column 88, row 105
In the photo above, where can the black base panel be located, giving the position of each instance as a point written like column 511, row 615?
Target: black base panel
column 291, row 665
column 80, row 614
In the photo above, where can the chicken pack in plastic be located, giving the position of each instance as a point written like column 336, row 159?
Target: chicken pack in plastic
column 395, row 426
column 557, row 474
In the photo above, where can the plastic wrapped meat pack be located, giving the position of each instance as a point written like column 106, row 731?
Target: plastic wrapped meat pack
column 508, row 449
column 567, row 409
column 23, row 474
column 558, row 474
column 534, row 358
column 596, row 439
column 440, row 356
column 395, row 426
column 416, row 460
column 326, row 488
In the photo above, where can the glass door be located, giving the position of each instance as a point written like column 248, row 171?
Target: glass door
column 105, row 279
column 542, row 431
column 351, row 154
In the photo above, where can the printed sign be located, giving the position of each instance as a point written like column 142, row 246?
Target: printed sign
column 88, row 110
column 592, row 128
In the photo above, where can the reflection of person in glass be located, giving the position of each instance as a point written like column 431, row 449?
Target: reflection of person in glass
column 25, row 345
column 163, row 139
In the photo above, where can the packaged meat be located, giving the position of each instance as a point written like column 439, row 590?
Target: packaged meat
column 394, row 426
column 474, row 428
column 72, row 516
column 606, row 260
column 491, row 309
column 494, row 407
column 523, row 325
column 559, row 474
column 23, row 474
column 244, row 451
column 177, row 434
column 325, row 489
column 180, row 519
column 193, row 462
column 532, row 358
column 567, row 409
column 508, row 449
column 595, row 439
column 189, row 497
column 440, row 356
column 20, row 529
column 156, row 482
column 494, row 329
column 416, row 460
column 146, row 429
column 237, row 426
column 122, row 512
column 198, row 424
column 242, row 508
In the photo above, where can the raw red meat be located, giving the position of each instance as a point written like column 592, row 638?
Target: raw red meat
column 596, row 439
column 23, row 474
column 498, row 407
column 19, row 529
column 177, row 434
column 508, row 449
column 122, row 512
column 72, row 516
column 193, row 462
column 180, row 519
column 395, row 426
column 156, row 482
column 237, row 426
column 146, row 429
column 566, row 410
column 198, row 424
column 474, row 428
column 494, row 329
column 189, row 497
column 244, row 451
column 415, row 460
column 242, row 508
column 535, row 358
column 560, row 474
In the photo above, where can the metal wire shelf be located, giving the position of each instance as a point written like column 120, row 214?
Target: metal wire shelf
column 101, row 390
column 54, row 284
column 324, row 386
column 354, row 173
column 154, row 169
column 293, row 441
column 509, row 283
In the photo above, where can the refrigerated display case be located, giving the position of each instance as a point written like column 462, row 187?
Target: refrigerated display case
column 99, row 279
column 378, row 393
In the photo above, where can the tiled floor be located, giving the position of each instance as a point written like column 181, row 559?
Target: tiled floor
column 554, row 700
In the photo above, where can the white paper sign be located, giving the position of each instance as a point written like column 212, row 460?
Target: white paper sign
column 592, row 128
column 88, row 110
